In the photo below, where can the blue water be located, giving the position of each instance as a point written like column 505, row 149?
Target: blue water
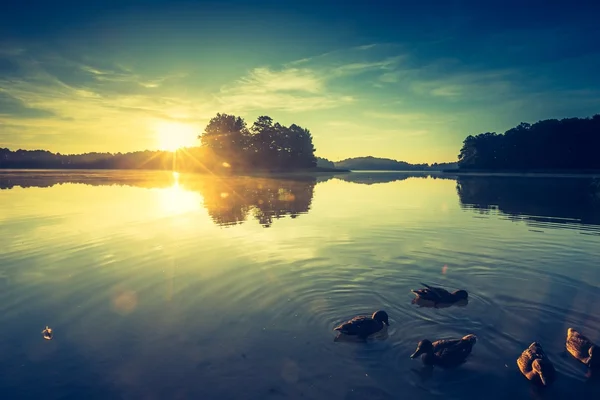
column 167, row 286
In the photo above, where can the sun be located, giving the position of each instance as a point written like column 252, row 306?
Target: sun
column 174, row 135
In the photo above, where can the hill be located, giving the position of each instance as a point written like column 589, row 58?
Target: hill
column 387, row 164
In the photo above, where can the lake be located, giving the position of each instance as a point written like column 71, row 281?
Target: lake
column 166, row 286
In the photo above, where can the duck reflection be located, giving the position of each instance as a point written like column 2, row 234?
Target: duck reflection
column 377, row 336
column 432, row 304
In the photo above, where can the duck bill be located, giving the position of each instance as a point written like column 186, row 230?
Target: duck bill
column 417, row 353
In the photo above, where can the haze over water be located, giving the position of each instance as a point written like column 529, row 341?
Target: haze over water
column 160, row 285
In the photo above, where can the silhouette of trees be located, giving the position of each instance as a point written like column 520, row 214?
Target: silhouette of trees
column 265, row 145
column 324, row 163
column 226, row 145
column 388, row 164
column 42, row 159
column 570, row 143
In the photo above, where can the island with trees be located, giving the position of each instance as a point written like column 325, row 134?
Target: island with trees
column 551, row 145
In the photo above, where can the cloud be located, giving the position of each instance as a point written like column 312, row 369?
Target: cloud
column 289, row 89
column 306, row 84
column 15, row 108
column 121, row 75
column 68, row 105
column 362, row 67
column 411, row 117
column 292, row 79
column 373, row 132
column 468, row 85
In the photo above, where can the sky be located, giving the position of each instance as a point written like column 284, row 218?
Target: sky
column 395, row 79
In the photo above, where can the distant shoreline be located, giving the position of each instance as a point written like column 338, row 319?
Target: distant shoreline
column 324, row 170
column 298, row 171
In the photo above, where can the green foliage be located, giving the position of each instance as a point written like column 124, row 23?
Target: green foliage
column 265, row 145
column 570, row 143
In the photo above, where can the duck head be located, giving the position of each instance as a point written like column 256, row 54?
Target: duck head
column 470, row 338
column 461, row 294
column 542, row 369
column 381, row 316
column 425, row 346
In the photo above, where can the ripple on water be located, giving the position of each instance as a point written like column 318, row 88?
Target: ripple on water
column 212, row 306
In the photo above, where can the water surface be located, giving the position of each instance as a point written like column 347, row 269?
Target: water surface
column 160, row 285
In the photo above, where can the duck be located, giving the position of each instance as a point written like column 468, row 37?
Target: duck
column 535, row 365
column 47, row 333
column 582, row 348
column 439, row 295
column 363, row 325
column 445, row 352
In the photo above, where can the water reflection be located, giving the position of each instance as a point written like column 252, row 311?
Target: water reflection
column 540, row 202
column 370, row 178
column 228, row 200
column 136, row 279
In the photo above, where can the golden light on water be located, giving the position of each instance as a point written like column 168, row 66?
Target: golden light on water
column 174, row 135
column 177, row 200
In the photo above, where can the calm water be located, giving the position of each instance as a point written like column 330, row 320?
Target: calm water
column 160, row 286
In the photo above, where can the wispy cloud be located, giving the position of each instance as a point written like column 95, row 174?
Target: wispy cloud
column 470, row 86
column 291, row 89
column 121, row 75
column 413, row 118
column 304, row 85
column 89, row 107
column 373, row 132
column 13, row 107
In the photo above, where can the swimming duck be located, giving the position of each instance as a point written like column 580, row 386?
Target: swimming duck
column 363, row 326
column 535, row 365
column 439, row 295
column 47, row 333
column 445, row 352
column 582, row 348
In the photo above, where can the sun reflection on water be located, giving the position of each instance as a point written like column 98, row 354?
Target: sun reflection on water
column 177, row 200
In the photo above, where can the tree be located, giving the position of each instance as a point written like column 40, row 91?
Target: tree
column 570, row 143
column 226, row 136
column 265, row 145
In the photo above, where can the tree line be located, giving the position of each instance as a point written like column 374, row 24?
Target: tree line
column 552, row 144
column 226, row 145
